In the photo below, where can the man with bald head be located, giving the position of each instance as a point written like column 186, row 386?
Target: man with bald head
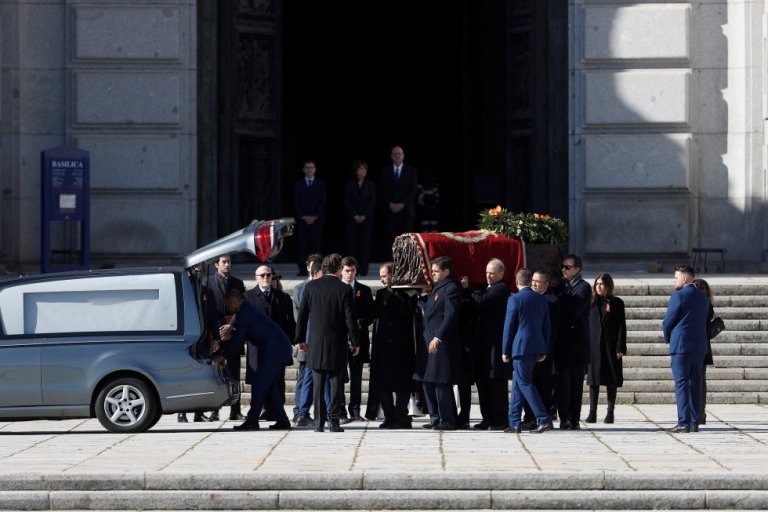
column 397, row 193
column 278, row 306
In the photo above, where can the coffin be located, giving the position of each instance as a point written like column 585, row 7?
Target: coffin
column 470, row 251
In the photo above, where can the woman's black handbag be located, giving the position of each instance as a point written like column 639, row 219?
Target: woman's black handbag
column 715, row 327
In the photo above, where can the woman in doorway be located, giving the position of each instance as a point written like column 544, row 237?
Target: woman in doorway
column 608, row 344
column 359, row 202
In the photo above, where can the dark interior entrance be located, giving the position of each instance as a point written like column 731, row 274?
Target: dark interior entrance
column 362, row 77
column 475, row 93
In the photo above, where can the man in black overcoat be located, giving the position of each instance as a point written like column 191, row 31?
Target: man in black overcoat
column 439, row 363
column 278, row 306
column 362, row 306
column 327, row 303
column 491, row 373
column 219, row 284
column 571, row 351
column 392, row 351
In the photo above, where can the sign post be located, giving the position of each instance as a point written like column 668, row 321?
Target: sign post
column 65, row 202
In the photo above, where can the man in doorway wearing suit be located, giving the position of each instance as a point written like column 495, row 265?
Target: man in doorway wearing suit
column 397, row 193
column 309, row 205
column 219, row 284
column 327, row 304
column 685, row 329
column 526, row 342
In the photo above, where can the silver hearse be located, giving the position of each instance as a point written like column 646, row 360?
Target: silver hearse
column 118, row 345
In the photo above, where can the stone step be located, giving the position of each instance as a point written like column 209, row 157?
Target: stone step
column 713, row 386
column 718, row 349
column 721, row 301
column 665, row 290
column 371, row 490
column 727, row 336
column 727, row 313
column 659, row 361
column 731, row 324
column 713, row 372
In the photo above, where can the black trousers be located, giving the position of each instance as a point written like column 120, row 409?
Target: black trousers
column 310, row 240
column 268, row 409
column 465, row 403
column 355, row 385
column 395, row 406
column 493, row 395
column 570, row 386
column 336, row 379
column 233, row 367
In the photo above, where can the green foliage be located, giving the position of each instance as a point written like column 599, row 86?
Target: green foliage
column 530, row 227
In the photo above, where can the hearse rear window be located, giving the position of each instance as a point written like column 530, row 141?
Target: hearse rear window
column 129, row 303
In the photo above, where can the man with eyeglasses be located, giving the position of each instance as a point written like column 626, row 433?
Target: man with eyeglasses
column 279, row 307
column 571, row 350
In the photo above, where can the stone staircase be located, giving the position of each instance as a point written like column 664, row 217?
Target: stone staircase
column 740, row 373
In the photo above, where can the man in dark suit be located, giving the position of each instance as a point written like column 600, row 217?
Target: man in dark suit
column 490, row 372
column 327, row 304
column 303, row 396
column 397, row 193
column 362, row 310
column 268, row 353
column 526, row 341
column 219, row 284
column 309, row 205
column 685, row 330
column 439, row 363
column 278, row 306
column 571, row 351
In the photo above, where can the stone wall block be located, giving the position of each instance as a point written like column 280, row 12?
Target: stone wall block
column 627, row 225
column 645, row 31
column 637, row 161
column 637, row 97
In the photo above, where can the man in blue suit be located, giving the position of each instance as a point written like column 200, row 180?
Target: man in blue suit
column 268, row 355
column 685, row 330
column 526, row 342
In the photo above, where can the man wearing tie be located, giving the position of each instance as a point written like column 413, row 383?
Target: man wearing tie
column 309, row 205
column 397, row 192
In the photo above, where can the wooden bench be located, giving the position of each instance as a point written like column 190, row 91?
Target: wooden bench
column 702, row 253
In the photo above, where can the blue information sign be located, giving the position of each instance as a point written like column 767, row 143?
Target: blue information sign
column 66, row 204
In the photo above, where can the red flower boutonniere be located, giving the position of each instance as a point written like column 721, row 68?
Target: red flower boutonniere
column 437, row 296
column 358, row 294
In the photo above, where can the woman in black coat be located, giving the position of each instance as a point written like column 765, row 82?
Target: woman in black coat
column 359, row 202
column 703, row 287
column 607, row 345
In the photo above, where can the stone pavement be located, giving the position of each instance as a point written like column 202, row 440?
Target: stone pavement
column 735, row 439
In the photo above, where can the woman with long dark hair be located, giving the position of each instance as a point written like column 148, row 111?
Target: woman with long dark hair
column 607, row 345
column 359, row 202
column 704, row 288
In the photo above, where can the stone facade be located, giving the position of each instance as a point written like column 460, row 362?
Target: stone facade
column 667, row 114
column 667, row 123
column 117, row 79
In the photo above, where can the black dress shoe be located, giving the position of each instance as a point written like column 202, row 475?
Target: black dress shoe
column 336, row 428
column 498, row 427
column 513, row 430
column 543, row 427
column 182, row 418
column 463, row 426
column 246, row 426
column 695, row 428
column 608, row 417
column 280, row 426
column 214, row 416
column 591, row 417
column 575, row 426
column 429, row 425
column 445, row 426
column 236, row 417
column 304, row 422
column 565, row 425
column 483, row 425
column 680, row 429
column 320, row 428
column 200, row 417
column 528, row 425
column 356, row 417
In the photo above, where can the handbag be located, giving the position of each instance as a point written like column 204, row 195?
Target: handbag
column 715, row 327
